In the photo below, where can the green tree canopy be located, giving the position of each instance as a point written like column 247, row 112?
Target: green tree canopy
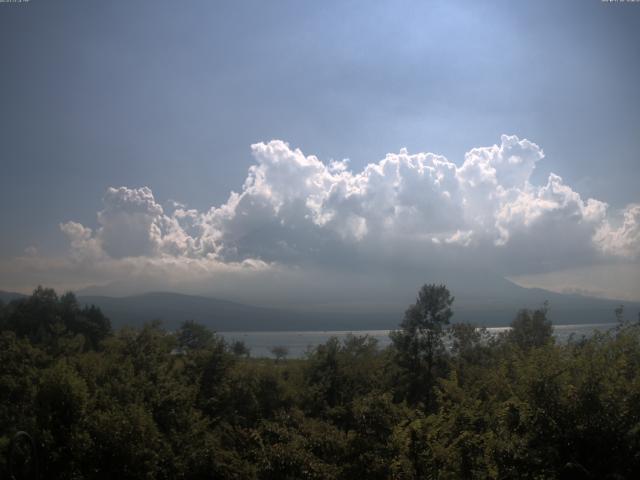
column 45, row 318
column 419, row 343
column 194, row 336
column 531, row 328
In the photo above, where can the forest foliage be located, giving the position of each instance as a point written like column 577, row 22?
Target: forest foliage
column 444, row 401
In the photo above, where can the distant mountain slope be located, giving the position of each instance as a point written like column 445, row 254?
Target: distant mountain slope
column 6, row 297
column 222, row 315
column 485, row 305
column 563, row 309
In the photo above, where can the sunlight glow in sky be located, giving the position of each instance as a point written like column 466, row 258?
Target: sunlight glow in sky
column 222, row 146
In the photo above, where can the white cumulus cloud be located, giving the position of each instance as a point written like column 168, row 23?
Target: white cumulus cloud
column 623, row 241
column 294, row 209
column 406, row 211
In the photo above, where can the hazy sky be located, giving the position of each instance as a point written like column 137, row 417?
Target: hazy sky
column 125, row 126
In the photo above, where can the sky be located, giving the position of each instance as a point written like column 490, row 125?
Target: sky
column 327, row 150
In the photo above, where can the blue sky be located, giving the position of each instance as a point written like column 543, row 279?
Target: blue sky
column 171, row 96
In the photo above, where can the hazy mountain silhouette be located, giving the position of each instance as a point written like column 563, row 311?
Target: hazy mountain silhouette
column 222, row 315
column 481, row 299
column 174, row 308
column 6, row 297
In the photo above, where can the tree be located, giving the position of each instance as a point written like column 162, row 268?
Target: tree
column 33, row 317
column 88, row 321
column 469, row 347
column 60, row 409
column 531, row 329
column 337, row 372
column 194, row 336
column 44, row 318
column 240, row 349
column 280, row 352
column 419, row 344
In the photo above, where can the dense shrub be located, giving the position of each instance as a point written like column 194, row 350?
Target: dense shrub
column 148, row 403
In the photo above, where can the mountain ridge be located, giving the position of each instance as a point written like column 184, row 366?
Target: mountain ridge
column 173, row 308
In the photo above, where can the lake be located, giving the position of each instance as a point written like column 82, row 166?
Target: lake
column 260, row 343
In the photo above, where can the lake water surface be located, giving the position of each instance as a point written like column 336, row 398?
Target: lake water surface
column 261, row 343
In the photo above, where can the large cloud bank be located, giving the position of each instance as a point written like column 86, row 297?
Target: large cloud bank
column 295, row 209
column 406, row 211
